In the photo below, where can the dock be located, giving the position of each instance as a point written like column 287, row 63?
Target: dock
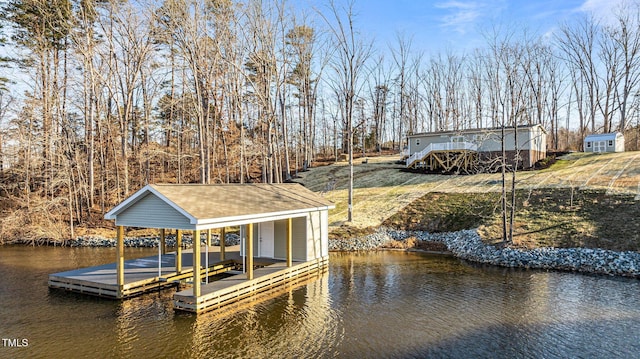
column 143, row 275
column 283, row 230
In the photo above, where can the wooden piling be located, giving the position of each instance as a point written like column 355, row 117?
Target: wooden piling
column 179, row 251
column 196, row 263
column 120, row 260
column 249, row 251
column 289, row 240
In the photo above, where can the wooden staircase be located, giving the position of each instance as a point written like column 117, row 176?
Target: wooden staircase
column 446, row 157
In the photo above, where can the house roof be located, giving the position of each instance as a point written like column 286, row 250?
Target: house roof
column 477, row 130
column 603, row 136
column 210, row 206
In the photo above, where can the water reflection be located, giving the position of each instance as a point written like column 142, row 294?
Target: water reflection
column 383, row 304
column 296, row 323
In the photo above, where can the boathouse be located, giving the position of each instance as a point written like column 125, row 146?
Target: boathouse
column 472, row 150
column 604, row 142
column 283, row 230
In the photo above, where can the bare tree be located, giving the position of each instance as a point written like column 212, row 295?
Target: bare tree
column 626, row 38
column 348, row 65
column 577, row 44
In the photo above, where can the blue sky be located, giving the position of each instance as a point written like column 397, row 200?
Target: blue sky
column 438, row 25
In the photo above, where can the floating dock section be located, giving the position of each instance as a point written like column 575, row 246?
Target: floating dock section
column 236, row 288
column 141, row 275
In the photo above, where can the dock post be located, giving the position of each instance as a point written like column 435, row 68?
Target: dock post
column 289, row 235
column 120, row 260
column 179, row 251
column 223, row 234
column 206, row 256
column 249, row 246
column 163, row 241
column 196, row 263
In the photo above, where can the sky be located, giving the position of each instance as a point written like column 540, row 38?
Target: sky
column 438, row 25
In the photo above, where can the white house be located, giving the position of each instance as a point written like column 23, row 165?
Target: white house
column 484, row 143
column 604, row 142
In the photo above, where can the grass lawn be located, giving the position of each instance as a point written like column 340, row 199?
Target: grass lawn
column 544, row 217
column 604, row 211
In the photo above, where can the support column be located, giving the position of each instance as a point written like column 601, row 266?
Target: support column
column 223, row 234
column 249, row 250
column 206, row 256
column 163, row 241
column 289, row 235
column 179, row 251
column 196, row 263
column 120, row 259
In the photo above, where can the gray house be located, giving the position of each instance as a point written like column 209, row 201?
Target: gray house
column 604, row 142
column 465, row 149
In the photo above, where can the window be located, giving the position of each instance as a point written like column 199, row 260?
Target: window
column 610, row 143
column 457, row 139
column 417, row 142
column 589, row 144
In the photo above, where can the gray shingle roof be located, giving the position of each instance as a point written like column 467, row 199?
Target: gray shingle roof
column 231, row 200
column 206, row 205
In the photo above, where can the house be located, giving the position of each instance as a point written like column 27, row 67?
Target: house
column 284, row 237
column 604, row 142
column 469, row 149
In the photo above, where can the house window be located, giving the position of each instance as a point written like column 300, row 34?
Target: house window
column 457, row 139
column 610, row 143
column 418, row 142
column 588, row 144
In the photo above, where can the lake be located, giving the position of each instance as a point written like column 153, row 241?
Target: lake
column 387, row 304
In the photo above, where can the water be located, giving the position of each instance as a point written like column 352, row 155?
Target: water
column 375, row 305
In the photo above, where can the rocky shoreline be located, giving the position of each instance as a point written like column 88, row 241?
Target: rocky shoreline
column 231, row 239
column 467, row 245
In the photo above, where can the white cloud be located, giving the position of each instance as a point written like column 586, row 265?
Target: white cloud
column 603, row 10
column 464, row 15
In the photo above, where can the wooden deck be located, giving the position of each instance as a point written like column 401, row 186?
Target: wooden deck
column 237, row 288
column 141, row 275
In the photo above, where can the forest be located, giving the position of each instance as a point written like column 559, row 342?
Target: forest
column 114, row 94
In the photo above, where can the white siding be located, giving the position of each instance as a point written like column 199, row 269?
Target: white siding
column 280, row 239
column 619, row 143
column 324, row 236
column 152, row 212
column 487, row 140
column 299, row 234
column 314, row 237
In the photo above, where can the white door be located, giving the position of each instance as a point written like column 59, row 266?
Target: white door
column 599, row 146
column 265, row 241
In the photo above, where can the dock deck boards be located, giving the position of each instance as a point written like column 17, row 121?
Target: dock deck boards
column 235, row 288
column 141, row 274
